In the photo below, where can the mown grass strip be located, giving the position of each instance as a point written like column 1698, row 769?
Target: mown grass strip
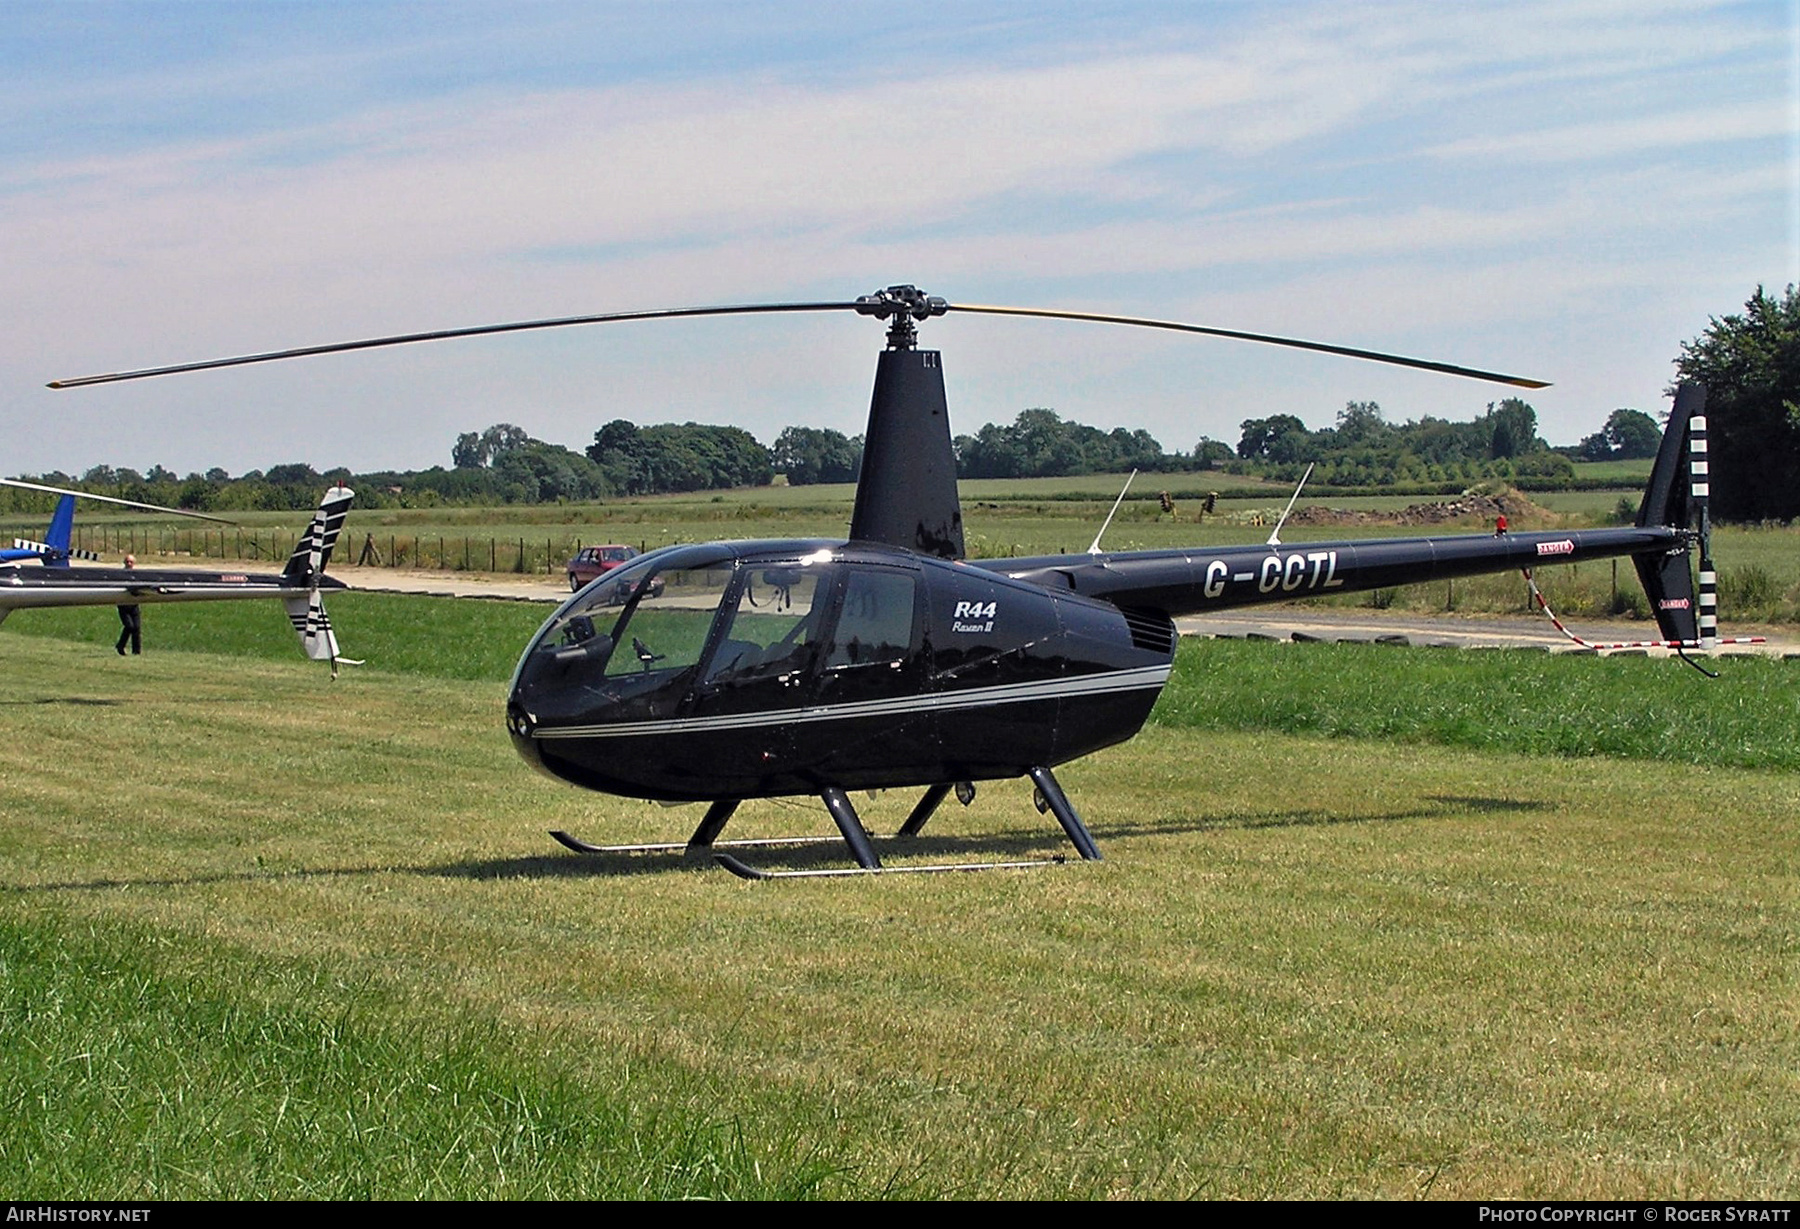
column 1308, row 967
column 1519, row 701
column 453, row 638
column 122, row 1080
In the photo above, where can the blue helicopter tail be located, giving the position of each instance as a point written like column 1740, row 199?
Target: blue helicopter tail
column 62, row 526
column 55, row 550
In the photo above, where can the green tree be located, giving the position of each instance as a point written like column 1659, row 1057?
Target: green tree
column 1262, row 438
column 1210, row 453
column 474, row 451
column 1750, row 365
column 1512, row 427
column 1626, row 435
column 1633, row 434
column 618, row 448
column 816, row 454
column 545, row 473
column 1360, row 422
column 466, row 452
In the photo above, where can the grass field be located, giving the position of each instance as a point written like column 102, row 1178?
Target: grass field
column 266, row 936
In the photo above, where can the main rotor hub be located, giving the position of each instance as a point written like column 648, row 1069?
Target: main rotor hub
column 903, row 305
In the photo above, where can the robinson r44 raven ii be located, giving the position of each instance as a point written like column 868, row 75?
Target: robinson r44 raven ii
column 733, row 670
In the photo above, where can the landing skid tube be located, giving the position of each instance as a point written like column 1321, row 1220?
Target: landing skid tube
column 745, row 871
column 862, row 849
column 577, row 845
column 1048, row 794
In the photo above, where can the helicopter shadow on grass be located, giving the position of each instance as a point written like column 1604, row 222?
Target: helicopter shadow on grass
column 823, row 854
column 76, row 701
column 198, row 879
column 1447, row 806
column 1045, row 846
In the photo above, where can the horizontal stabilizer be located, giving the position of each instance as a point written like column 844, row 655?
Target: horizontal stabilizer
column 50, row 553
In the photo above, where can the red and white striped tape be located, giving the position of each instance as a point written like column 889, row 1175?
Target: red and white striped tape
column 1537, row 595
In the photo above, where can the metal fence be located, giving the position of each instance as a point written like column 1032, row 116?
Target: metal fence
column 440, row 552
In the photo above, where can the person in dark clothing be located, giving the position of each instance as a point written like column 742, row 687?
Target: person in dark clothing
column 131, row 622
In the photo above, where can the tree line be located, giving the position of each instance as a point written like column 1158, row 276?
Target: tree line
column 1363, row 449
column 1751, row 363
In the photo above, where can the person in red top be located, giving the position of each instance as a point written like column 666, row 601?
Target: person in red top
column 1500, row 525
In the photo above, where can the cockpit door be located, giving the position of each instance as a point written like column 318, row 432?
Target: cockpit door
column 764, row 646
column 875, row 649
column 870, row 717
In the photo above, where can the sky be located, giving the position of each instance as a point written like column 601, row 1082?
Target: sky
column 1564, row 190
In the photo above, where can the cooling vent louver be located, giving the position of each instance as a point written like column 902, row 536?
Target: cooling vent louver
column 1151, row 630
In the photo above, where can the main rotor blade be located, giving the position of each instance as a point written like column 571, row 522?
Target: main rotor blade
column 750, row 309
column 481, row 330
column 108, row 499
column 1236, row 335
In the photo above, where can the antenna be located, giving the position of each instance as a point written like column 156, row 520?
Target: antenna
column 1095, row 548
column 1275, row 533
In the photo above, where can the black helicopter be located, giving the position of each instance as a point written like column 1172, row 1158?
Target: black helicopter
column 737, row 670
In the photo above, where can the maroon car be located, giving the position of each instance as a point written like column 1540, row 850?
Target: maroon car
column 592, row 561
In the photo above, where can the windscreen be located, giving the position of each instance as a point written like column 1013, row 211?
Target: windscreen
column 647, row 615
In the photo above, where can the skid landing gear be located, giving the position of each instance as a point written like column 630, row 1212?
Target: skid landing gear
column 702, row 843
column 745, row 871
column 576, row 845
column 1047, row 793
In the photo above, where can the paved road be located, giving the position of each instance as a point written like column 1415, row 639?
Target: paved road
column 1278, row 622
column 535, row 588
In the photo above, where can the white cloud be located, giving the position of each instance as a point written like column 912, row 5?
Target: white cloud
column 1397, row 176
column 1612, row 139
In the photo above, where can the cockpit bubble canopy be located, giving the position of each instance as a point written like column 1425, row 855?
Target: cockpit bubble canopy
column 656, row 617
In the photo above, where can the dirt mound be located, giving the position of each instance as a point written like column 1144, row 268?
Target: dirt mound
column 1471, row 506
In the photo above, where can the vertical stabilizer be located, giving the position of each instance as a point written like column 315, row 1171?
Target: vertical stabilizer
column 313, row 551
column 60, row 533
column 1678, row 482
